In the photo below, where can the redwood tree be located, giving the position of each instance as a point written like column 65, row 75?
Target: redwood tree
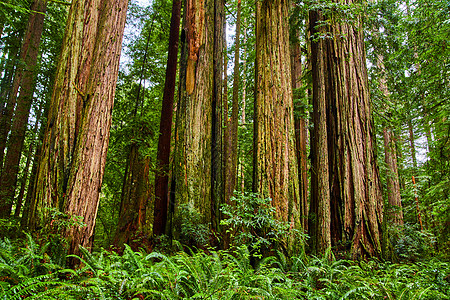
column 165, row 128
column 343, row 144
column 193, row 130
column 275, row 164
column 73, row 154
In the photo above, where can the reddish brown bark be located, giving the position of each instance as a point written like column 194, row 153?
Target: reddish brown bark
column 355, row 201
column 26, row 77
column 274, row 160
column 163, row 156
column 74, row 148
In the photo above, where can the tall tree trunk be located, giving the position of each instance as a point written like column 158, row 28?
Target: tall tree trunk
column 73, row 154
column 355, row 192
column 301, row 130
column 320, row 210
column 231, row 146
column 274, row 161
column 26, row 81
column 192, row 157
column 218, row 99
column 165, row 127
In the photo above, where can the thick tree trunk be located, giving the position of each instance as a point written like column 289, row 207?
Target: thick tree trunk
column 192, row 157
column 74, row 148
column 275, row 164
column 355, row 192
column 165, row 127
column 26, row 80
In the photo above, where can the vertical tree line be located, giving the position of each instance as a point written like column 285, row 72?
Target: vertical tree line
column 179, row 149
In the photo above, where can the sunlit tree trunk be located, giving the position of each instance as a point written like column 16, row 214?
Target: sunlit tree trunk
column 165, row 128
column 25, row 79
column 73, row 153
column 275, row 163
column 192, row 157
column 355, row 203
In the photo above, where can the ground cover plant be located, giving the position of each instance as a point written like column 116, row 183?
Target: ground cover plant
column 28, row 271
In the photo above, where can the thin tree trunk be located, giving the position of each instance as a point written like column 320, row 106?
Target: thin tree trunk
column 165, row 127
column 231, row 149
column 395, row 214
column 412, row 143
column 8, row 86
column 301, row 131
column 320, row 210
column 73, row 154
column 26, row 81
column 218, row 101
column 274, row 160
column 30, row 155
column 393, row 183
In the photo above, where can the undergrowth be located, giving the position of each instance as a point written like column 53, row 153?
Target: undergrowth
column 27, row 272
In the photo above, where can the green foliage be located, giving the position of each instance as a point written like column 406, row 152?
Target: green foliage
column 223, row 275
column 251, row 221
column 193, row 231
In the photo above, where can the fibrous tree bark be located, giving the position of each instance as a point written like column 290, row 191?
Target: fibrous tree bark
column 25, row 80
column 274, row 160
column 193, row 131
column 301, row 129
column 73, row 153
column 352, row 215
column 165, row 128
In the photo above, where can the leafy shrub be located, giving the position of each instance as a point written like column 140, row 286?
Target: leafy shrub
column 251, row 221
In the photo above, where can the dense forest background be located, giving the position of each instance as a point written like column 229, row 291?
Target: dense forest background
column 224, row 149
